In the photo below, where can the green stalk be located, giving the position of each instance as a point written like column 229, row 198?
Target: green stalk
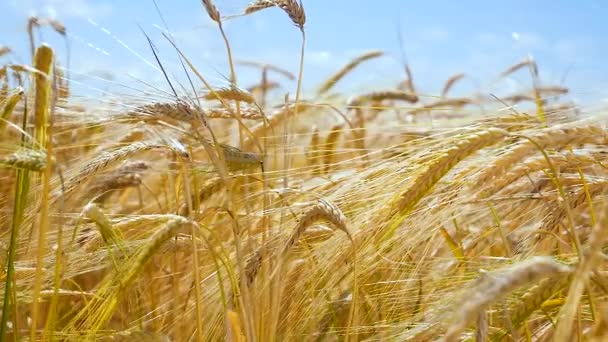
column 42, row 61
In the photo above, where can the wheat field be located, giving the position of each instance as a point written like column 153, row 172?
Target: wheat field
column 233, row 214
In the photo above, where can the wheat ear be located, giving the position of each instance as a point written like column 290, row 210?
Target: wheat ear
column 495, row 286
column 331, row 81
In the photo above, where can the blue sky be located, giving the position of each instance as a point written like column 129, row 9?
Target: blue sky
column 569, row 39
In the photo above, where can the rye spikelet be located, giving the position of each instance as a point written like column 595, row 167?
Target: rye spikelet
column 495, row 286
column 331, row 81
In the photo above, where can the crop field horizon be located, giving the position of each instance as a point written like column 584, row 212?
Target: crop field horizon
column 232, row 171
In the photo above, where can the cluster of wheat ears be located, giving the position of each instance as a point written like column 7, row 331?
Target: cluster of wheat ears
column 233, row 214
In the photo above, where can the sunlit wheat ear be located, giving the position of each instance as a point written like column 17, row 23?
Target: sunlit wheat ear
column 292, row 8
column 444, row 104
column 383, row 95
column 421, row 184
column 4, row 50
column 234, row 327
column 95, row 315
column 536, row 164
column 329, row 148
column 240, row 160
column 552, row 90
column 550, row 138
column 179, row 111
column 582, row 196
column 210, row 187
column 331, row 81
column 512, row 122
column 526, row 62
column 324, row 210
column 183, row 112
column 532, row 300
column 128, row 175
column 258, row 6
column 9, row 106
column 107, row 158
column 517, row 98
column 32, row 160
column 103, row 223
column 212, row 10
column 230, row 93
column 313, row 150
column 496, row 285
column 263, row 87
column 450, row 83
column 57, row 26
